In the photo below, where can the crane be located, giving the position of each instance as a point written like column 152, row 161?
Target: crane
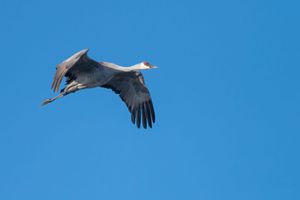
column 82, row 72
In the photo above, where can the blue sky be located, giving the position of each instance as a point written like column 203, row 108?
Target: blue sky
column 226, row 97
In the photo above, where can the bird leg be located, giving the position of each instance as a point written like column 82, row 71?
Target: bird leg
column 53, row 99
column 72, row 87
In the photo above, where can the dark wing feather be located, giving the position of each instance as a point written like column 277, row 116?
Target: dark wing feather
column 71, row 67
column 132, row 90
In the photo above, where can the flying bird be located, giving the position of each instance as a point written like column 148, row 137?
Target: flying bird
column 82, row 72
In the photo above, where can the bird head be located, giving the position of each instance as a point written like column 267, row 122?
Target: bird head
column 147, row 65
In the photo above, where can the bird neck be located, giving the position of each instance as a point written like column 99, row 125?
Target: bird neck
column 136, row 67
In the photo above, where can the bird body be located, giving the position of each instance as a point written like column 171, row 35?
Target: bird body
column 82, row 72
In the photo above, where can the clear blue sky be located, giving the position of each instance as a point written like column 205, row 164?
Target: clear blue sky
column 226, row 96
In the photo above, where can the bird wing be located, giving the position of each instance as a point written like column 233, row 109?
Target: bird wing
column 77, row 62
column 132, row 90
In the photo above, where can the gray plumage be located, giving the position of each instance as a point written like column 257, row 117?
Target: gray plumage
column 82, row 72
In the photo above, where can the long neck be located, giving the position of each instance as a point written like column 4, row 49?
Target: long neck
column 136, row 67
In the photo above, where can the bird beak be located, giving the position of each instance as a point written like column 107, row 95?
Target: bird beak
column 153, row 67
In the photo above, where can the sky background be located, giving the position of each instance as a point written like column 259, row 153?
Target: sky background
column 226, row 97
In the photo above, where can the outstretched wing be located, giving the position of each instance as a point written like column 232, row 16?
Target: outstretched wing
column 132, row 90
column 75, row 64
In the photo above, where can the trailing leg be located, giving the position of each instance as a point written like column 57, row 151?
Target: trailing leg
column 72, row 87
column 52, row 99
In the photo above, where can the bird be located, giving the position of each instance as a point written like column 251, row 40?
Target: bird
column 82, row 72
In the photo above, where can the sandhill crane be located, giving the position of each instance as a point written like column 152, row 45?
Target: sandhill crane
column 82, row 72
